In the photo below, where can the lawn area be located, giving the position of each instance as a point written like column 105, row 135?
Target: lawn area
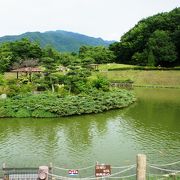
column 10, row 76
column 114, row 66
column 159, row 78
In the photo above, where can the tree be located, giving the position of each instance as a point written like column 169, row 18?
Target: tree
column 87, row 61
column 25, row 49
column 140, row 58
column 100, row 54
column 176, row 40
column 151, row 59
column 163, row 48
column 68, row 59
column 49, row 51
column 6, row 57
column 76, row 79
column 101, row 83
column 17, row 52
column 134, row 43
column 50, row 65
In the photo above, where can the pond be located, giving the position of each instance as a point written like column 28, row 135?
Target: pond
column 150, row 126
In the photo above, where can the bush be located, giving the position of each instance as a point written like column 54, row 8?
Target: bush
column 22, row 112
column 101, row 83
column 55, row 105
column 3, row 112
column 42, row 113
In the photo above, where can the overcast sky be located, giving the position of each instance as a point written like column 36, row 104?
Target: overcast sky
column 108, row 19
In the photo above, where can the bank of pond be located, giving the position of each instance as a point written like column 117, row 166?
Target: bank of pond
column 56, row 105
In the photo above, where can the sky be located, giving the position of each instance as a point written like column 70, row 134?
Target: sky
column 108, row 19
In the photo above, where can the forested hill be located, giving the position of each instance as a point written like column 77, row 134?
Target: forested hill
column 153, row 41
column 61, row 40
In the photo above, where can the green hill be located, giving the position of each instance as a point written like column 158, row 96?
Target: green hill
column 61, row 40
column 153, row 41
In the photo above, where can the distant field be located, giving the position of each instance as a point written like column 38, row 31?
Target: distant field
column 114, row 66
column 149, row 77
column 160, row 78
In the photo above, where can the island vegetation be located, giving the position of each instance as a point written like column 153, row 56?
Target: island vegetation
column 73, row 83
column 63, row 86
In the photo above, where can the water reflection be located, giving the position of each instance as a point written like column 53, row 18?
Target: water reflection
column 150, row 126
column 155, row 121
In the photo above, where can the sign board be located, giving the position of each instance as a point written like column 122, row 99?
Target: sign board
column 73, row 172
column 102, row 170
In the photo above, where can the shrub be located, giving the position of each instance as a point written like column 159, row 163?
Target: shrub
column 42, row 113
column 22, row 112
column 54, row 105
column 3, row 112
column 101, row 83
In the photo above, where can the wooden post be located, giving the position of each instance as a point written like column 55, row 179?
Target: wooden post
column 173, row 175
column 43, row 173
column 4, row 165
column 141, row 167
column 4, row 172
column 51, row 168
column 95, row 170
column 51, row 171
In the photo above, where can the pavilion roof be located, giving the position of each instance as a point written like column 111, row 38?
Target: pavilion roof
column 27, row 69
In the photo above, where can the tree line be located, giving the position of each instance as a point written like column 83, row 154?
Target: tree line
column 154, row 41
column 26, row 53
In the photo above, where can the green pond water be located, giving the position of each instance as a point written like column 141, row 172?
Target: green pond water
column 150, row 126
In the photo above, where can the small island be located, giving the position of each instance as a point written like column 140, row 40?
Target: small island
column 42, row 82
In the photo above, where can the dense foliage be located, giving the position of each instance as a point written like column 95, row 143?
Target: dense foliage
column 24, row 53
column 61, row 40
column 17, row 52
column 154, row 41
column 55, row 105
column 97, row 54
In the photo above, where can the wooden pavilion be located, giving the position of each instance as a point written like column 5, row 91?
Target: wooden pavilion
column 27, row 70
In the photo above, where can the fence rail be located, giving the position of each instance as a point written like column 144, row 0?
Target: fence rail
column 139, row 171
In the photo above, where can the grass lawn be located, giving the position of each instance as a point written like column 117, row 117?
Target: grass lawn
column 114, row 66
column 155, row 78
column 10, row 76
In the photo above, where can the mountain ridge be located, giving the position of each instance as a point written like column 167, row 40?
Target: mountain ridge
column 61, row 40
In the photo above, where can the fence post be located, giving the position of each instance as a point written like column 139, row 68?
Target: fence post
column 141, row 167
column 4, row 172
column 43, row 173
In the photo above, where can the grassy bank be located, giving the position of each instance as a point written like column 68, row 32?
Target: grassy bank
column 144, row 78
column 54, row 105
column 117, row 67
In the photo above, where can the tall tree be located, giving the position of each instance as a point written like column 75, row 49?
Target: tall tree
column 50, row 65
column 163, row 48
column 100, row 54
column 6, row 58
